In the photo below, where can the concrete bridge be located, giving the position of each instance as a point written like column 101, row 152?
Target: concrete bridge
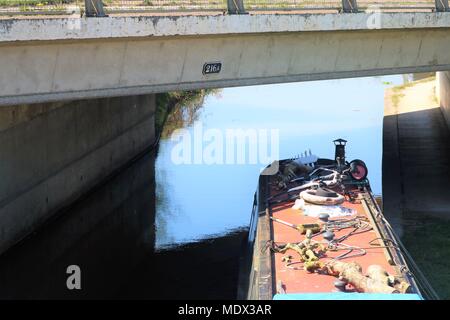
column 54, row 146
column 57, row 59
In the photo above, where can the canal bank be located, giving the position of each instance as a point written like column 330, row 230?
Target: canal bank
column 416, row 160
column 416, row 151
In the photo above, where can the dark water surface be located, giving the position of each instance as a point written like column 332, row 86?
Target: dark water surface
column 164, row 231
column 110, row 235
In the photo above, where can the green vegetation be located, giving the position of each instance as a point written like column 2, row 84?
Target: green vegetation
column 397, row 94
column 428, row 242
column 179, row 109
column 395, row 98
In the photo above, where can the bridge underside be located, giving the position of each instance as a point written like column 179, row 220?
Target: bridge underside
column 58, row 70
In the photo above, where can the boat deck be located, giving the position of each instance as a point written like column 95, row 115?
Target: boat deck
column 293, row 278
column 347, row 237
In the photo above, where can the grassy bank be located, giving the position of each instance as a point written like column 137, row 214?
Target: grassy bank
column 428, row 242
column 397, row 93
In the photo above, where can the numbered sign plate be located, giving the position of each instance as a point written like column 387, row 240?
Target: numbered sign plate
column 212, row 67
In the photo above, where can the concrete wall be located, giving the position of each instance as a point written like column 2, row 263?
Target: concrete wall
column 51, row 154
column 443, row 93
column 46, row 60
column 416, row 154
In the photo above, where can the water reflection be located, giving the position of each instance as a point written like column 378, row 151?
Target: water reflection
column 107, row 235
column 110, row 236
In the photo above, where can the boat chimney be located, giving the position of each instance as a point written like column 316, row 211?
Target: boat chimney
column 339, row 154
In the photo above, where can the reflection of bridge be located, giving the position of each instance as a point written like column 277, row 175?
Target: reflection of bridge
column 53, row 149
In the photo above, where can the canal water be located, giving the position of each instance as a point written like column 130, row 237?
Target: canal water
column 163, row 230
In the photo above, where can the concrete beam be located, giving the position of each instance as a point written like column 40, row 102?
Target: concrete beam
column 33, row 72
column 74, row 28
column 118, row 56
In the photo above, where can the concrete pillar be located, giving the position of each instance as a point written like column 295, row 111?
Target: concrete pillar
column 53, row 153
column 443, row 93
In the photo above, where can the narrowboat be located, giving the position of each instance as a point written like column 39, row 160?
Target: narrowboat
column 318, row 233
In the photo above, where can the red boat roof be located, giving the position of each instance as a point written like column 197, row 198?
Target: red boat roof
column 293, row 278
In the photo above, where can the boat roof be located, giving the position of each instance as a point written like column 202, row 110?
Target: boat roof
column 293, row 282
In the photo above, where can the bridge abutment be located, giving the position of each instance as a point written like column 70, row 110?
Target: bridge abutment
column 443, row 93
column 416, row 151
column 53, row 153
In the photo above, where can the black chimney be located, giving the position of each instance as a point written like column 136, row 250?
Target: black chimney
column 339, row 154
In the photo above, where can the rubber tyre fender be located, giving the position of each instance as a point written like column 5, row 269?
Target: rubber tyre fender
column 311, row 197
